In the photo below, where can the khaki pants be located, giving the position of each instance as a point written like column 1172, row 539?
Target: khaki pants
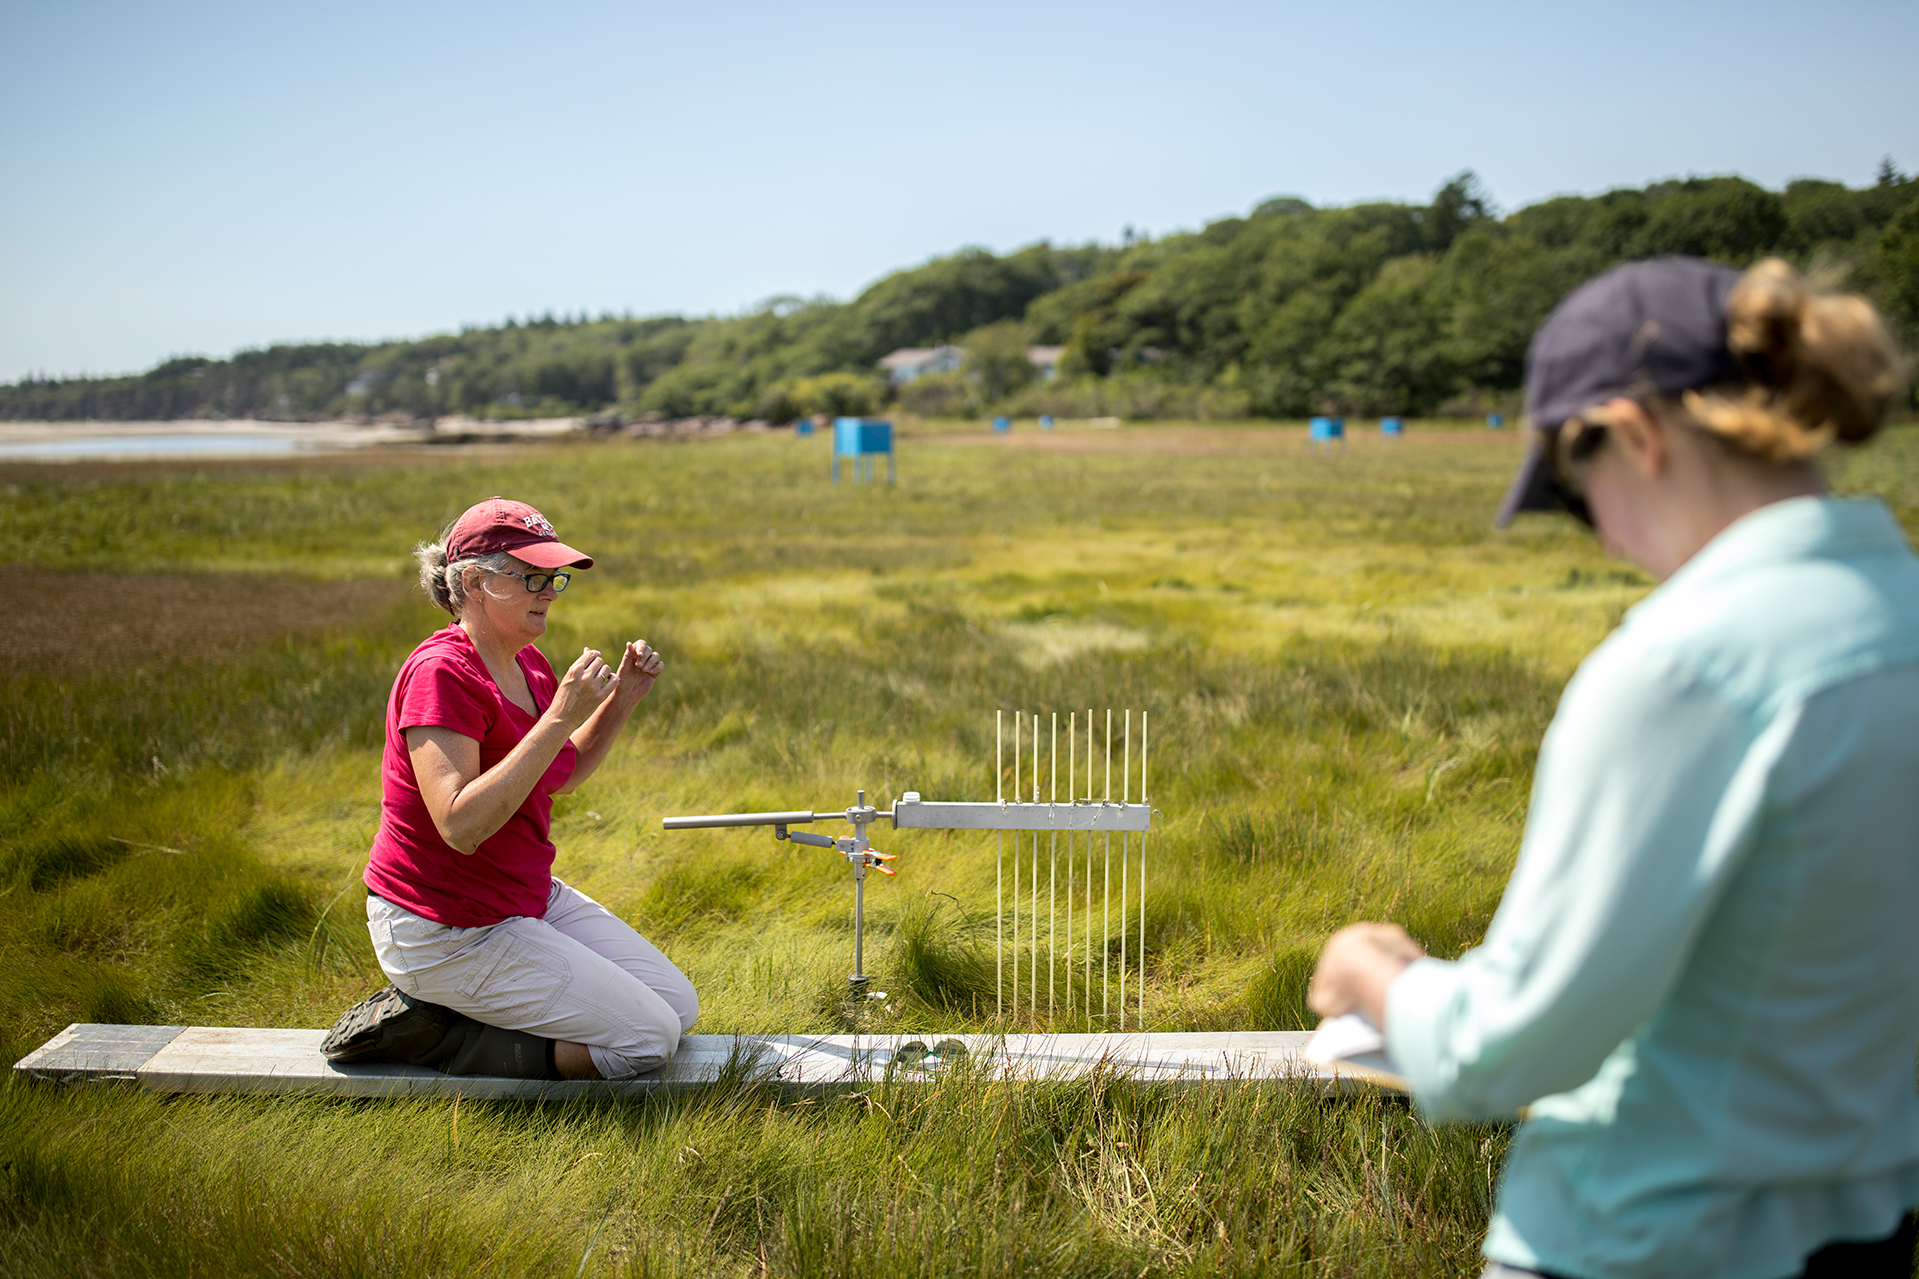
column 579, row 973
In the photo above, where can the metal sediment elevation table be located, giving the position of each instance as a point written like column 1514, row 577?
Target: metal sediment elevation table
column 910, row 812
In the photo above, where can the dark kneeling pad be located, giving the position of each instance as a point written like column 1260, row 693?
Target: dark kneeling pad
column 474, row 1048
column 391, row 1025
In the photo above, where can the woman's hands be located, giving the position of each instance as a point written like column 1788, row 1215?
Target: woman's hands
column 1357, row 965
column 640, row 665
column 586, row 684
column 613, row 696
column 590, row 682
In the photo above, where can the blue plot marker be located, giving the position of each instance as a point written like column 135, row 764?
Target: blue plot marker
column 860, row 439
column 1327, row 429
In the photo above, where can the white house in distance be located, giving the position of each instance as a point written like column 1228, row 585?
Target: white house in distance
column 1046, row 360
column 909, row 362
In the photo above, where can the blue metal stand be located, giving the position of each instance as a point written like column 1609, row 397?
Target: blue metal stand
column 1327, row 429
column 861, row 439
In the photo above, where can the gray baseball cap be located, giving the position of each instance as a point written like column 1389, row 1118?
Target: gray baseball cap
column 1649, row 328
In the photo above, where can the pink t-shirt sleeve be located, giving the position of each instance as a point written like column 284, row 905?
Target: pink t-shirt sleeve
column 438, row 695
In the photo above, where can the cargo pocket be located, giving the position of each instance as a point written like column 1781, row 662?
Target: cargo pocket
column 516, row 976
column 391, row 961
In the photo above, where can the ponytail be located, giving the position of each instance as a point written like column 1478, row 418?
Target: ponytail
column 439, row 585
column 444, row 583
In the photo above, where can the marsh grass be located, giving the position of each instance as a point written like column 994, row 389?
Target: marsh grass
column 1348, row 675
column 1106, row 1177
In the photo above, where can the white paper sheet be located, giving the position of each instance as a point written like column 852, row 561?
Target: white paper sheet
column 1348, row 1037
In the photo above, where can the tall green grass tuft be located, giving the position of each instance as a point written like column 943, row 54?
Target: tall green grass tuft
column 942, row 958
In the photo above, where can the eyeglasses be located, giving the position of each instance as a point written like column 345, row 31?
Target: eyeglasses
column 537, row 582
column 1573, row 446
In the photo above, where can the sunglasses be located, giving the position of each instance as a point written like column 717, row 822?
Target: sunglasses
column 537, row 582
column 1573, row 446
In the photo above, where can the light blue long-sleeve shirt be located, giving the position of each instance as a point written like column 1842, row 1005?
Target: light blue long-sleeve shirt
column 1703, row 978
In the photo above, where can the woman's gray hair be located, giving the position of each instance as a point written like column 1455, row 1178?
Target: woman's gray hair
column 444, row 583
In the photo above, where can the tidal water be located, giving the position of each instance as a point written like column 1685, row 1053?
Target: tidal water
column 186, row 444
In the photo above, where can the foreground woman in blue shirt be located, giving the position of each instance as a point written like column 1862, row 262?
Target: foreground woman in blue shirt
column 1702, row 982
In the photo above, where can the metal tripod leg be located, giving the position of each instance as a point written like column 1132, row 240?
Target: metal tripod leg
column 858, row 978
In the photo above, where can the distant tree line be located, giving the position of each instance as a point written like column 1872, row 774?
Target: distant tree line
column 1292, row 309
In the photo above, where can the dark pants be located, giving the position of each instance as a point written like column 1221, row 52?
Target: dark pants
column 1888, row 1258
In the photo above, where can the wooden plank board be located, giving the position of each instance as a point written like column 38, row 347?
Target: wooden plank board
column 229, row 1059
column 88, row 1053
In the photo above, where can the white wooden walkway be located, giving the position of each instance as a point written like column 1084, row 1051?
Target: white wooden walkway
column 227, row 1059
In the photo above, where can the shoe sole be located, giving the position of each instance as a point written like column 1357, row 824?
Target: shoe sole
column 360, row 1029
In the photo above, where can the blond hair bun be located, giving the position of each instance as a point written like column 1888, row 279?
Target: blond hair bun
column 1820, row 367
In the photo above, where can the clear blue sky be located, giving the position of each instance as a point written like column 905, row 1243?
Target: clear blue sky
column 199, row 177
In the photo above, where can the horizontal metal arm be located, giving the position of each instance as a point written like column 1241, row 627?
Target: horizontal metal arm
column 1091, row 816
column 748, row 819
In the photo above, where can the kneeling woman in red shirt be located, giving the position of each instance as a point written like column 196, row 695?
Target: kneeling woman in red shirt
column 498, row 967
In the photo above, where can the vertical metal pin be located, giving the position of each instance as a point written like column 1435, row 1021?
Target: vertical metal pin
column 1140, row 1019
column 1032, row 916
column 1072, row 768
column 1052, row 871
column 1106, row 897
column 1125, row 796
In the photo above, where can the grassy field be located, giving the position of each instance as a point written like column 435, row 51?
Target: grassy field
column 1348, row 674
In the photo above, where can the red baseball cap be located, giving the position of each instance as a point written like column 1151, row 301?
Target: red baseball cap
column 499, row 524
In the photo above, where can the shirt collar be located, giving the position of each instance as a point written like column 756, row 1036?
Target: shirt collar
column 1797, row 528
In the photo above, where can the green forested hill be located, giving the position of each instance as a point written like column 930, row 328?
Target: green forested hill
column 1376, row 308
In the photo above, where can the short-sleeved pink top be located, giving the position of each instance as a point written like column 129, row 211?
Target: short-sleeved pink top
column 445, row 684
